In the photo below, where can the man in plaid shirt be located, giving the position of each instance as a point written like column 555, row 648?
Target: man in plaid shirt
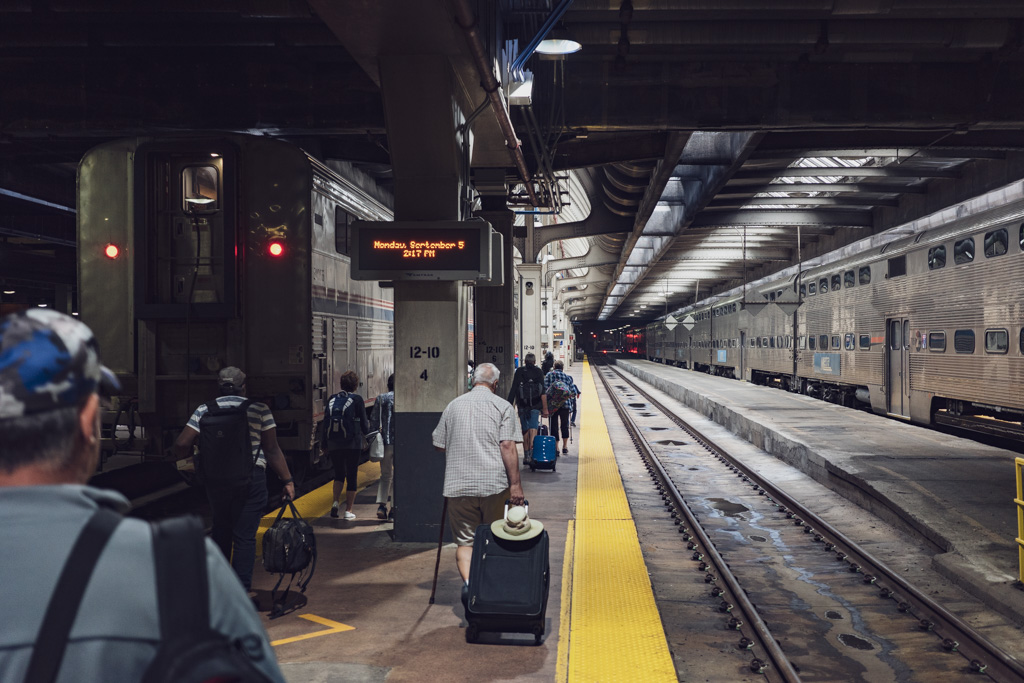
column 478, row 435
column 562, row 414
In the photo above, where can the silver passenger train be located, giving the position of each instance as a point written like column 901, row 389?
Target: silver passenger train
column 198, row 253
column 926, row 328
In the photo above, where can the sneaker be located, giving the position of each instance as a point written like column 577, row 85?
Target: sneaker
column 334, row 511
column 382, row 511
column 391, row 514
column 572, row 424
column 565, row 451
column 349, row 515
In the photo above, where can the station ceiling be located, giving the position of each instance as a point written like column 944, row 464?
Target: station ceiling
column 723, row 139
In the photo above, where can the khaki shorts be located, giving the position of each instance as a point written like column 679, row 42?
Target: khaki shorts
column 466, row 513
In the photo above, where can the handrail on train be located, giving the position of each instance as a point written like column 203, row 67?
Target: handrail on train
column 1019, row 500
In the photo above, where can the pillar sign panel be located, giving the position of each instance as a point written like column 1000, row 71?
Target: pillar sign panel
column 421, row 250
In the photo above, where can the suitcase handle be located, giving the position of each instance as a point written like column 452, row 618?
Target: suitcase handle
column 526, row 504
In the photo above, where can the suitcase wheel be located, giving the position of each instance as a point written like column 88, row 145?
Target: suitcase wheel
column 533, row 468
column 472, row 633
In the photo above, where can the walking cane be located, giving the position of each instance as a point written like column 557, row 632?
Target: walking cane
column 440, row 541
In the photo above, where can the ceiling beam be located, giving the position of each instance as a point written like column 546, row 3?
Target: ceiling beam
column 735, row 191
column 832, row 218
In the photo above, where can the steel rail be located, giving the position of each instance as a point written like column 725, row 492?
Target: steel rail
column 779, row 661
column 983, row 656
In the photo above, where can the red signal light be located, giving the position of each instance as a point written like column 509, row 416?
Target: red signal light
column 111, row 251
column 275, row 249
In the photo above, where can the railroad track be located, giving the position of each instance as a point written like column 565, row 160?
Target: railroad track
column 782, row 578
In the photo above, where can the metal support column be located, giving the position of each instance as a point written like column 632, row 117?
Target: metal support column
column 494, row 307
column 426, row 153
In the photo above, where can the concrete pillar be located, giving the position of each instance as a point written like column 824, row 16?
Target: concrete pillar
column 495, row 340
column 430, row 317
column 530, row 310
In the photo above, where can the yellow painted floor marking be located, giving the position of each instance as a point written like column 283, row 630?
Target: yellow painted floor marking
column 565, row 615
column 332, row 627
column 317, row 503
column 615, row 629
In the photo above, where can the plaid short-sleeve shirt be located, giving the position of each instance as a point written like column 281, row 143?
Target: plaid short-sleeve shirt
column 471, row 430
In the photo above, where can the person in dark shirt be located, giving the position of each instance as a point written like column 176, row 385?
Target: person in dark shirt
column 527, row 394
column 549, row 362
column 346, row 449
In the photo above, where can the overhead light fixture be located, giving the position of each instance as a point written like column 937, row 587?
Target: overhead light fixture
column 8, row 291
column 558, row 42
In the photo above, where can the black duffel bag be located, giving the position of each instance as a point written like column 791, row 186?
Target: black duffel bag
column 289, row 547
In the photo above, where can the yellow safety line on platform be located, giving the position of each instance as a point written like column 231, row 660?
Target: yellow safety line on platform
column 565, row 615
column 615, row 629
column 332, row 627
column 317, row 502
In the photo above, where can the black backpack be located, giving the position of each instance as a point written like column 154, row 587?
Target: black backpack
column 289, row 547
column 341, row 419
column 190, row 651
column 225, row 449
column 529, row 390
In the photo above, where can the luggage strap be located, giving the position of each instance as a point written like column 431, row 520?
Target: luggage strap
column 60, row 615
column 182, row 587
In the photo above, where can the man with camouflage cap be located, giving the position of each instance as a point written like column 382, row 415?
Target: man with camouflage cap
column 50, row 380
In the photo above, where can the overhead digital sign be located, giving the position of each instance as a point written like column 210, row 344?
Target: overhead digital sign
column 421, row 250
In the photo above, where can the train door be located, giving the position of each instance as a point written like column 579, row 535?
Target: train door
column 897, row 346
column 743, row 356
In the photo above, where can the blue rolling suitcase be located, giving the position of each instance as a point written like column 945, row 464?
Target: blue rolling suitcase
column 544, row 452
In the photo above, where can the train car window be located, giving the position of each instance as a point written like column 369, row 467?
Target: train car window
column 199, row 189
column 849, row 342
column 963, row 341
column 811, row 342
column 771, row 342
column 1021, row 343
column 822, row 341
column 906, row 334
column 835, row 341
column 803, row 291
column 789, row 342
column 963, row 251
column 823, row 285
column 836, row 280
column 778, row 341
column 865, row 341
column 898, row 266
column 937, row 258
column 753, row 343
column 811, row 289
column 1021, row 238
column 864, row 275
column 801, row 342
column 997, row 341
column 937, row 342
column 341, row 230
column 849, row 279
column 996, row 243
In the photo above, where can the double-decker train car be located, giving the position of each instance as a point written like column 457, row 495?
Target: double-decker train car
column 197, row 253
column 926, row 328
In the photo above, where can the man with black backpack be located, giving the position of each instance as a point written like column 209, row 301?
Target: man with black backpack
column 88, row 595
column 237, row 441
column 527, row 394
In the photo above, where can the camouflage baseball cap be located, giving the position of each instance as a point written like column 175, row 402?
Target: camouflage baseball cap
column 48, row 360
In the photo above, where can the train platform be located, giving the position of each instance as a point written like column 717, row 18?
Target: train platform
column 366, row 614
column 955, row 493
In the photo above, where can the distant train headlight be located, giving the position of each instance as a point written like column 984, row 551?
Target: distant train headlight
column 111, row 251
column 275, row 249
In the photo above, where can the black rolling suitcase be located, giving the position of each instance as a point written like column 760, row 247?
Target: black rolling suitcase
column 508, row 585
